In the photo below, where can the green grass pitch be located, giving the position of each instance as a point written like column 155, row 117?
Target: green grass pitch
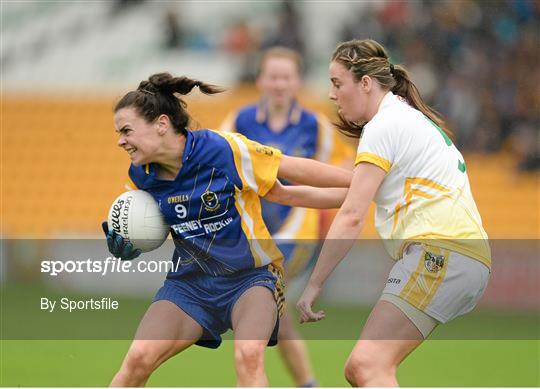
column 437, row 362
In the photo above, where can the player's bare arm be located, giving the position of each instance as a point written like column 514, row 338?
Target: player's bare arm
column 314, row 173
column 345, row 229
column 306, row 196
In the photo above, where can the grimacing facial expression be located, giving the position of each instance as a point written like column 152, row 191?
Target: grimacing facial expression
column 350, row 97
column 137, row 137
column 279, row 80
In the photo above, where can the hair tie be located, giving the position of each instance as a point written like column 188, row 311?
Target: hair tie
column 198, row 84
column 392, row 69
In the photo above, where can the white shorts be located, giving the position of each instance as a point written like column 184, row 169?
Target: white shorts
column 442, row 283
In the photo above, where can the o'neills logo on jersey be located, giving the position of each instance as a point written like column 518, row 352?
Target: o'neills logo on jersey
column 210, row 201
column 433, row 263
column 177, row 199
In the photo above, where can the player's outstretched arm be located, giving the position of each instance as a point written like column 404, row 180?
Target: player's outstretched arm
column 342, row 234
column 306, row 196
column 306, row 171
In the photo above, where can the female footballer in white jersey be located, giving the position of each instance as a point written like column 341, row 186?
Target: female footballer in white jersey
column 407, row 164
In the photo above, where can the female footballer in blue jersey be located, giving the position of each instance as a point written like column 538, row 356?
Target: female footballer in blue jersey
column 227, row 272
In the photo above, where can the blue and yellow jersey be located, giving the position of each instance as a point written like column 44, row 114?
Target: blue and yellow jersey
column 213, row 204
column 306, row 135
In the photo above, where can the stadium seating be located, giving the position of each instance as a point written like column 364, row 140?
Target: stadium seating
column 61, row 169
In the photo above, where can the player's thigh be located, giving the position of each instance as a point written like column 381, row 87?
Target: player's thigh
column 387, row 322
column 254, row 314
column 164, row 320
column 164, row 331
column 387, row 337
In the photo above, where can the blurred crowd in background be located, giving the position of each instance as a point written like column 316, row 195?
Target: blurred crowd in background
column 477, row 62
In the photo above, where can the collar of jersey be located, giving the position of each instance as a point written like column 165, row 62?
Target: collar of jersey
column 188, row 148
column 295, row 112
column 387, row 101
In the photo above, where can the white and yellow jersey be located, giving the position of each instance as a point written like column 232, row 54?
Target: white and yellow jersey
column 425, row 196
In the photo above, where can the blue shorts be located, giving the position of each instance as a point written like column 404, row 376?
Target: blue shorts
column 210, row 300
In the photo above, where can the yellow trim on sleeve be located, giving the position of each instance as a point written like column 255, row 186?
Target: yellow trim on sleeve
column 267, row 169
column 257, row 165
column 237, row 156
column 374, row 159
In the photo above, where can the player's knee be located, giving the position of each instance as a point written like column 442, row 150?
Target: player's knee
column 363, row 368
column 249, row 356
column 138, row 362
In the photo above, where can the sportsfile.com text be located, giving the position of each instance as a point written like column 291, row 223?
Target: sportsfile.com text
column 105, row 266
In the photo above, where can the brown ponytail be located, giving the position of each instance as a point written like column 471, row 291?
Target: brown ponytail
column 158, row 96
column 368, row 57
column 405, row 88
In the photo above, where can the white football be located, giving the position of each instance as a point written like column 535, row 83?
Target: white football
column 136, row 216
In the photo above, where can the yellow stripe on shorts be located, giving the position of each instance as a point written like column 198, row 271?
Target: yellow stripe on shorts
column 279, row 292
column 426, row 279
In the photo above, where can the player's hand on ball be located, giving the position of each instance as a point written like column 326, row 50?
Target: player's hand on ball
column 118, row 246
column 305, row 305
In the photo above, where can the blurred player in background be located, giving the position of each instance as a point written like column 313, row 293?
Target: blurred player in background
column 226, row 271
column 278, row 120
column 426, row 215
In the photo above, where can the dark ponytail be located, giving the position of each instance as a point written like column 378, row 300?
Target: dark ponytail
column 368, row 57
column 158, row 96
